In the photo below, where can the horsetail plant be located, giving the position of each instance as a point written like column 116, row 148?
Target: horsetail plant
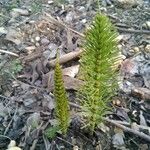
column 62, row 104
column 99, row 55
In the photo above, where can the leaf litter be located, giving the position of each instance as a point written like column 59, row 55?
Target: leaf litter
column 26, row 102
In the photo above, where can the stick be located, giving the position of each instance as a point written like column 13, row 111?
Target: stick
column 133, row 31
column 10, row 53
column 126, row 129
column 117, row 123
column 130, row 124
column 65, row 58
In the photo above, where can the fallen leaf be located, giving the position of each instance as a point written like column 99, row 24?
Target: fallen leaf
column 71, row 71
column 129, row 67
column 69, row 83
column 68, row 76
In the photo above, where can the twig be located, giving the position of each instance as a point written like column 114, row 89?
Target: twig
column 121, row 25
column 133, row 31
column 65, row 58
column 59, row 22
column 10, row 53
column 65, row 141
column 126, row 129
column 130, row 124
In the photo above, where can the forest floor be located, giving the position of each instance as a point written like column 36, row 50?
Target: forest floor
column 31, row 31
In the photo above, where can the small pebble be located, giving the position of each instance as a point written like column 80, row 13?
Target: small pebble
column 83, row 21
column 50, row 2
column 37, row 38
column 31, row 22
column 37, row 44
column 147, row 48
column 32, row 40
column 136, row 50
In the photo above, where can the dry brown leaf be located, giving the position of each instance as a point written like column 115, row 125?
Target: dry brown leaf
column 71, row 71
column 69, row 83
column 48, row 78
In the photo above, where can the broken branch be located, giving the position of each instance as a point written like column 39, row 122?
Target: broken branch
column 65, row 58
column 126, row 129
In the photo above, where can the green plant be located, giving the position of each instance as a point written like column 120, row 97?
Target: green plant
column 11, row 68
column 51, row 132
column 62, row 105
column 15, row 67
column 97, row 60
